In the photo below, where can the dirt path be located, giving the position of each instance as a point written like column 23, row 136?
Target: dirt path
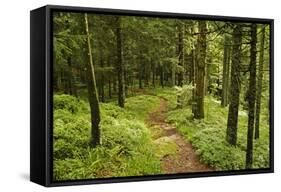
column 186, row 160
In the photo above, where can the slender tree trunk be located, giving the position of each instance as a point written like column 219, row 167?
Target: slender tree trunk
column 140, row 70
column 228, row 76
column 207, row 75
column 120, row 65
column 126, row 81
column 251, row 97
column 109, row 89
column 225, row 76
column 147, row 67
column 259, row 85
column 114, row 85
column 140, row 74
column 201, row 64
column 153, row 74
column 162, row 76
column 180, row 52
column 59, row 81
column 69, row 76
column 109, row 81
column 231, row 132
column 102, row 77
column 173, row 75
column 92, row 91
column 193, row 79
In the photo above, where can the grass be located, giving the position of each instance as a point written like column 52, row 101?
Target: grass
column 130, row 148
column 208, row 137
column 127, row 148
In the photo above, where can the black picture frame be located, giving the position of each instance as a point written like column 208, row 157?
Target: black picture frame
column 41, row 94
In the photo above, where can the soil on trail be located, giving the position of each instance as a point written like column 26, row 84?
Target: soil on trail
column 186, row 160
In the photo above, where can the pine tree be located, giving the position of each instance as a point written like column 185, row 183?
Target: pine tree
column 232, row 121
column 251, row 96
column 92, row 91
column 120, row 64
column 200, row 65
column 259, row 84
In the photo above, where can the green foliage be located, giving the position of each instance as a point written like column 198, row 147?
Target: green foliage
column 126, row 150
column 69, row 103
column 167, row 93
column 184, row 94
column 127, row 146
column 215, row 151
column 141, row 105
column 208, row 137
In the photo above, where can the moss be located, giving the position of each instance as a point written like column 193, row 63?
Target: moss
column 165, row 146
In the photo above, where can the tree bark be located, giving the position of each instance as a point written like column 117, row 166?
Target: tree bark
column 251, row 97
column 153, row 74
column 259, row 84
column 92, row 91
column 102, row 76
column 109, row 80
column 162, row 76
column 231, row 132
column 173, row 81
column 201, row 64
column 69, row 76
column 120, row 65
column 180, row 52
column 140, row 73
column 226, row 67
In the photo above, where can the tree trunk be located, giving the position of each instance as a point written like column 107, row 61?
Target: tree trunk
column 109, row 89
column 140, row 73
column 207, row 75
column 153, row 74
column 60, row 80
column 147, row 67
column 69, row 76
column 251, row 96
column 231, row 132
column 120, row 65
column 140, row 70
column 192, row 79
column 92, row 91
column 162, row 76
column 180, row 52
column 228, row 75
column 259, row 85
column 173, row 74
column 114, row 85
column 226, row 67
column 126, row 81
column 201, row 63
column 109, row 80
column 102, row 77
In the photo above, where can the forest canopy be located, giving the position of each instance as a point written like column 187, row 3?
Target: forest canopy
column 136, row 95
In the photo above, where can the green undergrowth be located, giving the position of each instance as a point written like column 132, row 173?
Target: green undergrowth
column 166, row 146
column 169, row 94
column 126, row 146
column 208, row 136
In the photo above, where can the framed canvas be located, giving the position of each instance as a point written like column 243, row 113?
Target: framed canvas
column 125, row 95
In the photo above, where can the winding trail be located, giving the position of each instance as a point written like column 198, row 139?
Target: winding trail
column 187, row 160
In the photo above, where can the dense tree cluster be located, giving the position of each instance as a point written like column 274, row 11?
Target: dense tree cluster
column 110, row 58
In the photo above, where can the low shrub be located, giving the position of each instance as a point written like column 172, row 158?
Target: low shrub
column 208, row 137
column 126, row 147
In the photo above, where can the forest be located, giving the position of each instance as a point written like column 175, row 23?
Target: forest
column 138, row 96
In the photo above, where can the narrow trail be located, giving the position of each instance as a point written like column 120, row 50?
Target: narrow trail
column 187, row 160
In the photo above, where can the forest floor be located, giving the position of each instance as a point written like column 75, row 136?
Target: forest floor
column 185, row 160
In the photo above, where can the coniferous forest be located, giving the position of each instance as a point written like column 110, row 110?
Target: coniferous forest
column 136, row 96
